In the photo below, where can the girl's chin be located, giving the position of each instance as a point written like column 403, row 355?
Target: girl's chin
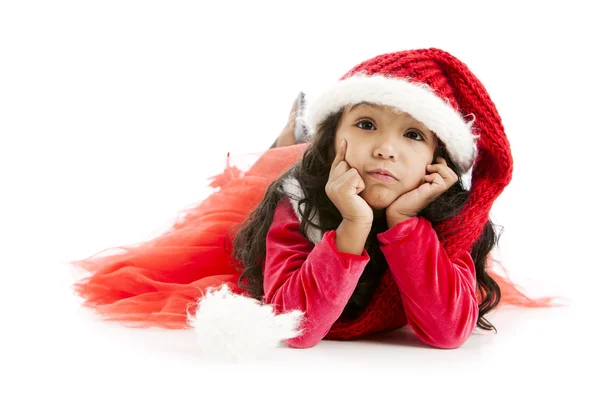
column 379, row 198
column 378, row 204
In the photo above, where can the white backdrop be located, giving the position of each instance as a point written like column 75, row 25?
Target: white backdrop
column 114, row 113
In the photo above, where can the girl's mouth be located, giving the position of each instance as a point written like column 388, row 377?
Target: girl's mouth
column 378, row 176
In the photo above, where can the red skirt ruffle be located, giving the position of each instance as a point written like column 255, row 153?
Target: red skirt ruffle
column 156, row 283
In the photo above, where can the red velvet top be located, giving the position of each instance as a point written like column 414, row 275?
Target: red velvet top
column 438, row 296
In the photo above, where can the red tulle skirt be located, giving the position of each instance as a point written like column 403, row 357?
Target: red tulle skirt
column 158, row 282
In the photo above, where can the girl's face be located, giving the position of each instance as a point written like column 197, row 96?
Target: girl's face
column 381, row 138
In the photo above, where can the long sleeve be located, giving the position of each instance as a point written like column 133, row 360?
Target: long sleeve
column 316, row 279
column 439, row 295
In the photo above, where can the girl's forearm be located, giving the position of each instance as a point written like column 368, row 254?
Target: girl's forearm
column 351, row 237
column 438, row 294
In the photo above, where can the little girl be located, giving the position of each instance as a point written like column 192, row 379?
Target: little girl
column 367, row 228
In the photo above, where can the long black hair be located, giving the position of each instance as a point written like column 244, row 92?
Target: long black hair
column 312, row 173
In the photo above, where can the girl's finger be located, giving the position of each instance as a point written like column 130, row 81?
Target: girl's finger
column 438, row 168
column 437, row 183
column 338, row 171
column 431, row 178
column 444, row 171
column 360, row 184
column 340, row 155
column 351, row 181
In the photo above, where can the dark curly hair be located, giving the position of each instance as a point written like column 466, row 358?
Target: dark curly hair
column 312, row 173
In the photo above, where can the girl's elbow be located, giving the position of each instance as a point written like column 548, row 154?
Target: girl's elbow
column 310, row 335
column 459, row 328
column 449, row 342
column 455, row 338
column 303, row 342
column 449, row 336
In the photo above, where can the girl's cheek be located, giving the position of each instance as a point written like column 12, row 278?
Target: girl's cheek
column 352, row 159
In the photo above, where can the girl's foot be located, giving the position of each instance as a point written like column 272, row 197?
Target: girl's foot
column 287, row 136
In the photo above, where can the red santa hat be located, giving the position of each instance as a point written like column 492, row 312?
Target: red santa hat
column 412, row 82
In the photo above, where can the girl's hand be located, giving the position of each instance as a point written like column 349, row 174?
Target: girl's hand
column 439, row 179
column 343, row 188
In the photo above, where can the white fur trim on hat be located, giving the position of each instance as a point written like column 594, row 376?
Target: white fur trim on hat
column 414, row 98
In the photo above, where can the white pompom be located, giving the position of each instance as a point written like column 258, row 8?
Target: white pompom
column 233, row 327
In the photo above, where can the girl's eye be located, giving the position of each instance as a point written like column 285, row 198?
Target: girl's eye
column 365, row 125
column 415, row 135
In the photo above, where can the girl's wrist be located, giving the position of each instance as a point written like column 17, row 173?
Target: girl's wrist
column 359, row 225
column 351, row 236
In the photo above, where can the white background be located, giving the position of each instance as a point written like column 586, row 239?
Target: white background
column 114, row 113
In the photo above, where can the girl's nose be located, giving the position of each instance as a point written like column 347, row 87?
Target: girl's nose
column 385, row 150
column 385, row 154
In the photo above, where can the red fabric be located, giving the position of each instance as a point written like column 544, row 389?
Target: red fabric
column 155, row 283
column 316, row 279
column 438, row 296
